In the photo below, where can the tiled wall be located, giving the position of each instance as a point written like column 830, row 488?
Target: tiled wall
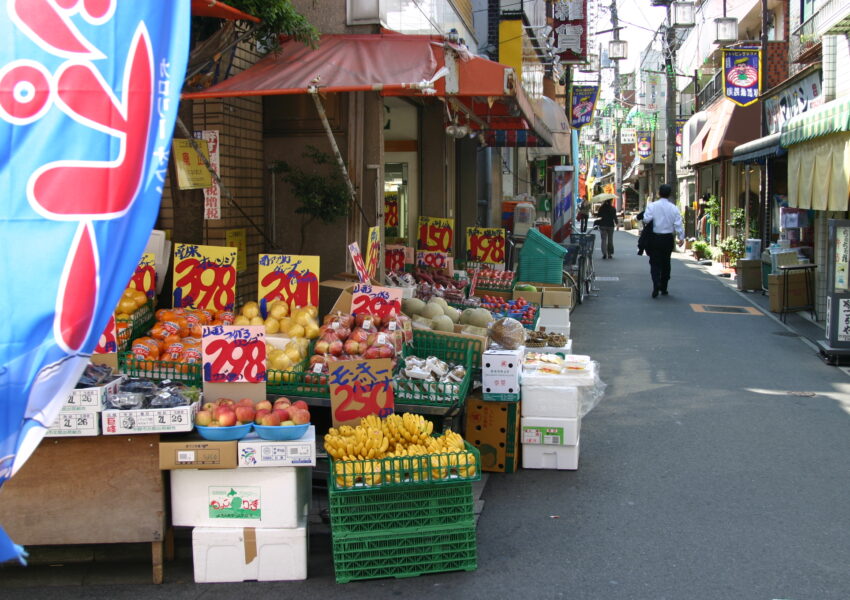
column 842, row 64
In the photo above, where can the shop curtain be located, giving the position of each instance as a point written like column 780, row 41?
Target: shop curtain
column 819, row 173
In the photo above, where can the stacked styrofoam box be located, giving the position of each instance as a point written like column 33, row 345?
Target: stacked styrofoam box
column 264, row 538
column 554, row 320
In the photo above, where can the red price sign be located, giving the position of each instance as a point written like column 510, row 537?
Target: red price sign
column 234, row 354
column 204, row 277
column 373, row 300
column 360, row 388
column 436, row 235
column 485, row 245
column 144, row 277
column 391, row 209
column 108, row 341
column 357, row 258
column 394, row 258
column 436, row 260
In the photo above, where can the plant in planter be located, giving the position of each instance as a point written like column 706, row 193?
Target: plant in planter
column 700, row 248
column 732, row 248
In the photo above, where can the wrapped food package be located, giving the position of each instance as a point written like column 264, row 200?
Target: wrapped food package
column 508, row 333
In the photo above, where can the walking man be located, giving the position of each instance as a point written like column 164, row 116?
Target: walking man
column 666, row 221
column 607, row 222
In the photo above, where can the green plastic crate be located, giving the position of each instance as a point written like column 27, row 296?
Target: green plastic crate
column 448, row 348
column 159, row 370
column 138, row 325
column 451, row 349
column 405, row 554
column 353, row 476
column 382, row 511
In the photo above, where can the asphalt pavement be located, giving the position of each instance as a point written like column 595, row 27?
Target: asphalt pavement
column 714, row 467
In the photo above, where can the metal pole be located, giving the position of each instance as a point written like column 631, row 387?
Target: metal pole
column 670, row 113
column 618, row 167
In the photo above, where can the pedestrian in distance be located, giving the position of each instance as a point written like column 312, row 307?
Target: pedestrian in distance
column 607, row 221
column 666, row 221
column 583, row 213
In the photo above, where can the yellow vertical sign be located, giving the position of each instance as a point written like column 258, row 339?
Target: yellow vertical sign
column 192, row 172
column 237, row 238
column 373, row 251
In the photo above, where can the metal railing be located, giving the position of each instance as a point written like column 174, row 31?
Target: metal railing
column 711, row 90
column 804, row 38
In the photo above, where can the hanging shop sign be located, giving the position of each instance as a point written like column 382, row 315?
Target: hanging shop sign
column 292, row 278
column 610, row 156
column 436, row 234
column 582, row 104
column 373, row 251
column 360, row 388
column 562, row 205
column 569, row 30
column 628, row 135
column 742, row 75
column 391, row 210
column 192, row 172
column 204, row 277
column 212, row 194
column 680, row 125
column 644, row 145
column 234, row 353
column 359, row 265
column 485, row 244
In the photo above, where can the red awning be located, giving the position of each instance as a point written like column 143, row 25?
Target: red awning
column 214, row 8
column 729, row 125
column 485, row 95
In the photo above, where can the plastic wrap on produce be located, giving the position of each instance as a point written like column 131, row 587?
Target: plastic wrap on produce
column 508, row 333
column 591, row 395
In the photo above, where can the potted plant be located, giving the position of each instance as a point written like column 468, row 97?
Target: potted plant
column 700, row 249
column 732, row 248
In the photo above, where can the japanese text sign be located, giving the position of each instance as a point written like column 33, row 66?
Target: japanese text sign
column 234, row 354
column 742, row 75
column 192, row 173
column 570, row 30
column 435, row 260
column 357, row 259
column 485, row 244
column 373, row 251
column 394, row 258
column 374, row 300
column 292, row 278
column 212, row 194
column 144, row 277
column 204, row 277
column 436, row 234
column 582, row 104
column 360, row 388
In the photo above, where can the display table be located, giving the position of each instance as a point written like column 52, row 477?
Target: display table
column 89, row 490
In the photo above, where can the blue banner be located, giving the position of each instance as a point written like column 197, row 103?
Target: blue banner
column 742, row 75
column 644, row 145
column 582, row 104
column 680, row 124
column 88, row 100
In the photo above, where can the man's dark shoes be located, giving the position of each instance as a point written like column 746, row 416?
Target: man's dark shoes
column 655, row 292
column 664, row 292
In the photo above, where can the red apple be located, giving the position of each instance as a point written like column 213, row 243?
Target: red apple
column 329, row 335
column 203, row 418
column 270, row 420
column 209, row 406
column 373, row 352
column 301, row 405
column 245, row 402
column 300, row 416
column 287, row 423
column 359, row 335
column 386, row 351
column 352, row 347
column 343, row 332
column 226, row 402
column 322, row 346
column 317, row 359
column 282, row 413
column 282, row 403
column 258, row 418
column 245, row 414
column 227, row 417
column 263, row 405
column 335, row 348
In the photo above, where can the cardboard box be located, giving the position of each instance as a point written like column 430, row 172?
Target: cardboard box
column 252, row 451
column 263, row 498
column 560, row 402
column 797, row 290
column 75, row 424
column 547, row 295
column 550, row 457
column 748, row 274
column 228, row 554
column 149, row 420
column 550, row 431
column 196, row 453
column 493, row 428
column 500, row 374
column 92, row 399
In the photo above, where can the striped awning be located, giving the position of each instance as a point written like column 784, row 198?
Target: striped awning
column 832, row 117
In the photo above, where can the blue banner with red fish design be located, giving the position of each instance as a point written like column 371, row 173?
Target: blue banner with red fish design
column 89, row 91
column 742, row 75
column 582, row 104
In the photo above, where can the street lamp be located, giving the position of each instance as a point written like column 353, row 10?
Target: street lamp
column 683, row 14
column 618, row 50
column 726, row 30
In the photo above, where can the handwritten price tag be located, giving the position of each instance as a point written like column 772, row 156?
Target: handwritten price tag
column 485, row 245
column 373, row 300
column 357, row 258
column 234, row 354
column 394, row 258
column 436, row 260
column 435, row 234
column 373, row 251
column 204, row 277
column 144, row 277
column 360, row 388
column 108, row 341
column 390, row 209
column 291, row 278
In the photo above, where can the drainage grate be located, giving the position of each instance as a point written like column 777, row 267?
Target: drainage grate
column 607, row 278
column 727, row 310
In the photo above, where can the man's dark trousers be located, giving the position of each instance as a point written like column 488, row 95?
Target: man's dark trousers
column 660, row 248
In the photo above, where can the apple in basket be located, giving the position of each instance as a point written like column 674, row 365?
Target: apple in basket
column 227, row 417
column 245, row 414
column 258, row 418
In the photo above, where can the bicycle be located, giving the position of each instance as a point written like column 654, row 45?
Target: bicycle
column 579, row 273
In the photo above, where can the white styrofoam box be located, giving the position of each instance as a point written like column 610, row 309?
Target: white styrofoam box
column 75, row 424
column 554, row 320
column 500, row 374
column 92, row 399
column 149, row 420
column 268, row 498
column 232, row 554
column 550, row 401
column 562, row 458
column 550, row 431
column 255, row 452
column 571, row 377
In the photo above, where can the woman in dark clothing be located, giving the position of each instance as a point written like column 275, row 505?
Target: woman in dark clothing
column 607, row 222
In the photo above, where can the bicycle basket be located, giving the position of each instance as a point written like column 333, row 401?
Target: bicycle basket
column 571, row 256
column 585, row 240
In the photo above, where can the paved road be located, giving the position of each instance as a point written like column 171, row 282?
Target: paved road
column 715, row 467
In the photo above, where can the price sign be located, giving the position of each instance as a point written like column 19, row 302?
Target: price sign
column 108, row 341
column 436, row 235
column 394, row 258
column 485, row 244
column 357, row 258
column 360, row 388
column 409, row 255
column 390, row 209
column 436, row 260
column 144, row 277
column 373, row 251
column 373, row 300
column 204, row 277
column 289, row 277
column 234, row 354
column 474, row 283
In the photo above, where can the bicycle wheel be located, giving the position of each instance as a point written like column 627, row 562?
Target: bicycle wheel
column 582, row 271
column 570, row 282
column 589, row 276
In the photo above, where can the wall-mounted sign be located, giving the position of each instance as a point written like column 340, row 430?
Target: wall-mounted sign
column 569, row 30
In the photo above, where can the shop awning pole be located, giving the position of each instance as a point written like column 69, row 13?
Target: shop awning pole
column 314, row 94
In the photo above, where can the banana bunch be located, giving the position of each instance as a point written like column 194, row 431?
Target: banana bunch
column 406, row 441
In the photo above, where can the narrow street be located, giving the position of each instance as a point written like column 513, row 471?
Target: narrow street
column 715, row 467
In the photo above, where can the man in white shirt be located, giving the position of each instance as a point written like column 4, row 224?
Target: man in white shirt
column 666, row 221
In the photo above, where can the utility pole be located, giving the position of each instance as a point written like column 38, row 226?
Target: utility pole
column 670, row 112
column 618, row 167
